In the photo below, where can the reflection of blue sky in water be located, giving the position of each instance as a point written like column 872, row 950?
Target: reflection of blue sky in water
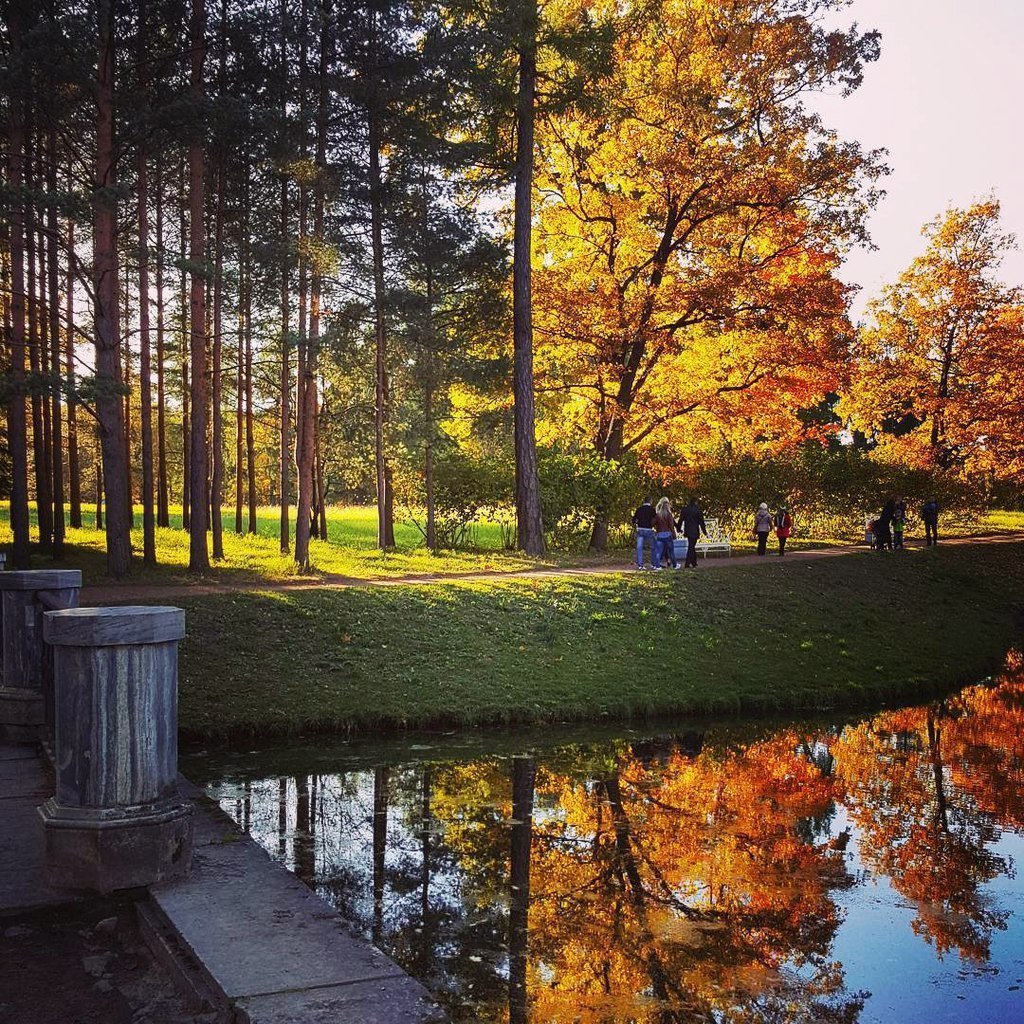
column 465, row 960
column 877, row 946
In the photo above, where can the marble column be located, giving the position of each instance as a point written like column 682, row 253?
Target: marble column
column 116, row 820
column 27, row 685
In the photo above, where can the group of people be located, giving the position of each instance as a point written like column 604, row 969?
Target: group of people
column 657, row 527
column 886, row 532
column 765, row 523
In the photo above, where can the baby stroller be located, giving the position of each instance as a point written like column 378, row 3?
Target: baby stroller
column 870, row 537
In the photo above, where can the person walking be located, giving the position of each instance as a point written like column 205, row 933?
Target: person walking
column 899, row 522
column 883, row 526
column 762, row 527
column 930, row 515
column 643, row 520
column 783, row 527
column 664, row 535
column 691, row 525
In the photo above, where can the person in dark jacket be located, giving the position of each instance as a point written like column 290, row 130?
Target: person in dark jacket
column 930, row 516
column 883, row 526
column 643, row 520
column 691, row 525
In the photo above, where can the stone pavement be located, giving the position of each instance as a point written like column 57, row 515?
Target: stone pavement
column 24, row 784
column 267, row 949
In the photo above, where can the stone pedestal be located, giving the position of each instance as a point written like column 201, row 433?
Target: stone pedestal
column 26, row 693
column 116, row 820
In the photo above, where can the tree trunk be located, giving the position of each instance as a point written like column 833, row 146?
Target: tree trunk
column 250, row 441
column 185, row 339
column 55, row 345
column 240, row 388
column 529, row 528
column 145, row 389
column 162, row 511
column 107, row 321
column 74, row 463
column 44, row 514
column 308, row 402
column 198, row 560
column 385, row 521
column 286, row 373
column 98, row 461
column 16, row 433
column 217, row 489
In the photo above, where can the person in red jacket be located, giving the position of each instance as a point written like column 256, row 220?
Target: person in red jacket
column 783, row 527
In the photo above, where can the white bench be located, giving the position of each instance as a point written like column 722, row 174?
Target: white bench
column 716, row 540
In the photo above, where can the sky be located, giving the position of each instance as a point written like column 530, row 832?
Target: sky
column 945, row 100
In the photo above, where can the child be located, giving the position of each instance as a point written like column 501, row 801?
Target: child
column 783, row 528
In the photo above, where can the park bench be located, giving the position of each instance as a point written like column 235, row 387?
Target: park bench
column 717, row 540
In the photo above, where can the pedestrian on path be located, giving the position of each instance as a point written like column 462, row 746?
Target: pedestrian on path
column 643, row 520
column 783, row 527
column 664, row 535
column 899, row 522
column 762, row 527
column 691, row 525
column 883, row 526
column 930, row 515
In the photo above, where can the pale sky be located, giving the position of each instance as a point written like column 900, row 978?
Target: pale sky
column 945, row 99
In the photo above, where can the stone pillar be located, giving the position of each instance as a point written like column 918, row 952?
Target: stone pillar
column 116, row 820
column 27, row 685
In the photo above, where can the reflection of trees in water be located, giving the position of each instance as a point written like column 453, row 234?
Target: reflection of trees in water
column 693, row 883
column 930, row 790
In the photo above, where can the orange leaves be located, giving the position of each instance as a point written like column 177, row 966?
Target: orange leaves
column 688, row 230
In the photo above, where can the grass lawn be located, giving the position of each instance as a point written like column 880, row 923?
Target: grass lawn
column 808, row 635
column 350, row 550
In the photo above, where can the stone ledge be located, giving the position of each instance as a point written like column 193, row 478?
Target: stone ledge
column 113, row 627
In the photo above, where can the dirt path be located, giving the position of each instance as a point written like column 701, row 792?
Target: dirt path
column 124, row 593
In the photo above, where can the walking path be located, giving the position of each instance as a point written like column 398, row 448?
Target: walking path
column 128, row 593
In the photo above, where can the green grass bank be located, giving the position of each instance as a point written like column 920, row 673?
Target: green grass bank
column 835, row 633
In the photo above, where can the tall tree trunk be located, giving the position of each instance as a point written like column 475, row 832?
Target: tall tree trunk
column 145, row 382
column 217, row 488
column 321, row 485
column 74, row 462
column 308, row 401
column 524, row 774
column 217, row 481
column 127, row 391
column 385, row 522
column 250, row 440
column 17, row 439
column 44, row 508
column 162, row 497
column 107, row 321
column 240, row 385
column 529, row 528
column 286, row 374
column 98, row 463
column 198, row 558
column 55, row 344
column 186, row 341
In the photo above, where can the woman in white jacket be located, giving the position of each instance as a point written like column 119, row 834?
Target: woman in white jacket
column 762, row 527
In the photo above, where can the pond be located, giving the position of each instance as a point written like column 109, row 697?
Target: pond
column 843, row 871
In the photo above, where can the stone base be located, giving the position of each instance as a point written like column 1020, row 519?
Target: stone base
column 22, row 714
column 104, row 851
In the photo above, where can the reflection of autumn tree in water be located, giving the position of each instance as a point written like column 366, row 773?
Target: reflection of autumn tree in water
column 929, row 789
column 674, row 894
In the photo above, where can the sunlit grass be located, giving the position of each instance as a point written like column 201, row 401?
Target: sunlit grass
column 809, row 635
column 351, row 549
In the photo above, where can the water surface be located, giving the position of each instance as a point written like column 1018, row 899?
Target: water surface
column 858, row 871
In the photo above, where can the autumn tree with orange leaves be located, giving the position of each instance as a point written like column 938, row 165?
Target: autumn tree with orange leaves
column 939, row 379
column 690, row 222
